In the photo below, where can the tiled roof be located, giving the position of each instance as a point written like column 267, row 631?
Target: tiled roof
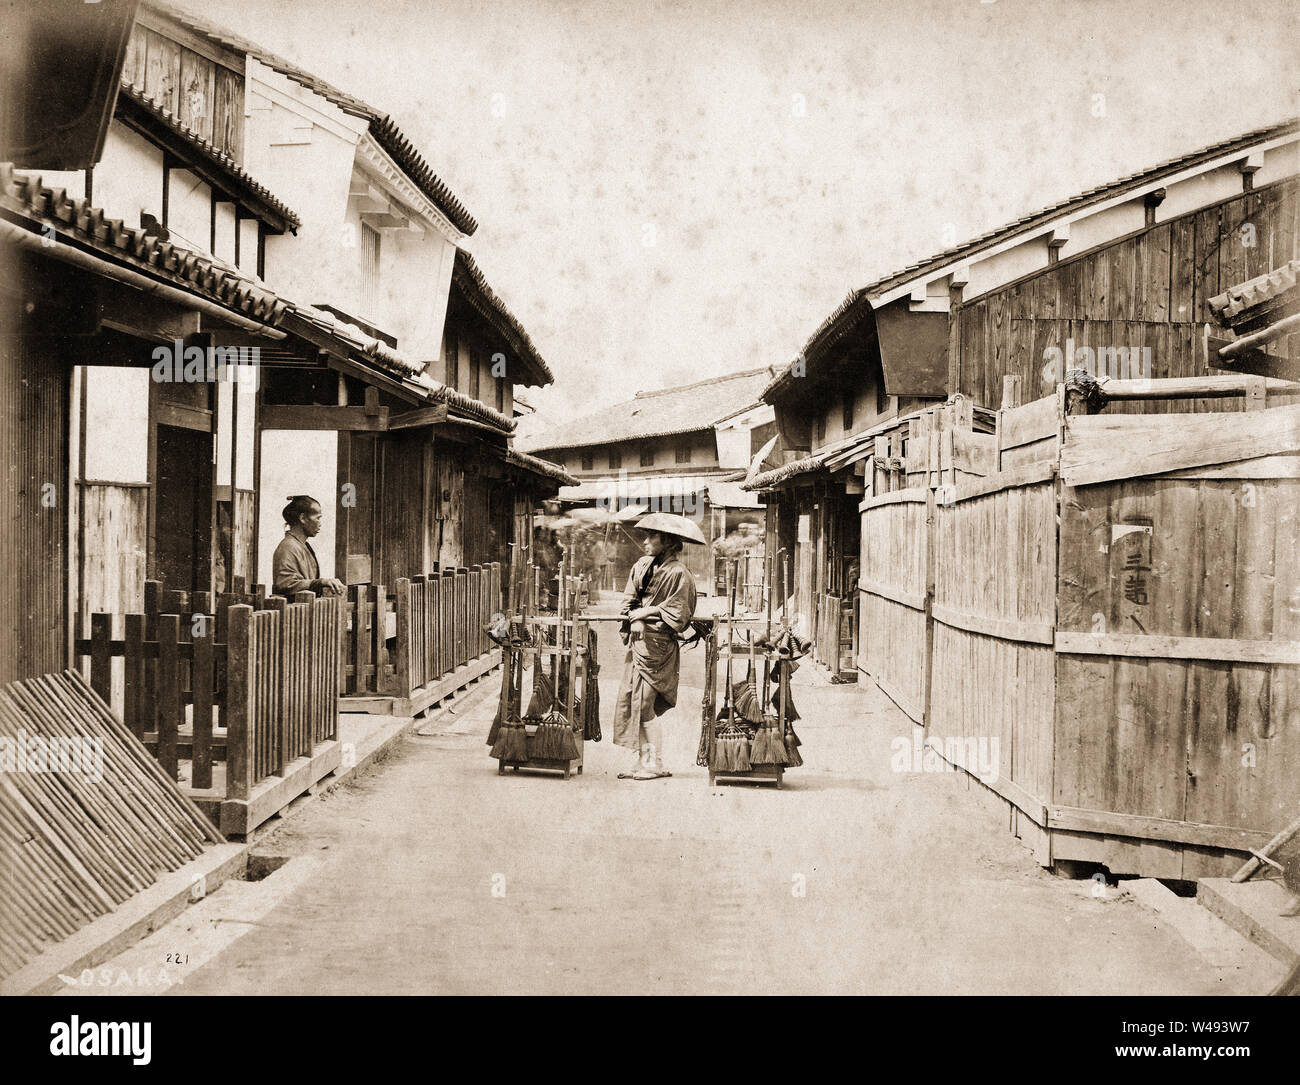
column 467, row 276
column 849, row 309
column 25, row 199
column 384, row 357
column 195, row 272
column 540, row 467
column 685, row 409
column 239, row 178
column 1027, row 223
column 382, row 126
column 1247, row 300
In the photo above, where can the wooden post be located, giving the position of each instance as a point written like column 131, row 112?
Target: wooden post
column 133, row 668
column 380, row 626
column 240, row 656
column 360, row 643
column 1011, row 391
column 461, row 581
column 101, row 660
column 202, row 680
column 402, row 685
column 170, row 706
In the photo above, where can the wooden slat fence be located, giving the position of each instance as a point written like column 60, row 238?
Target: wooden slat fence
column 395, row 644
column 223, row 699
column 1114, row 610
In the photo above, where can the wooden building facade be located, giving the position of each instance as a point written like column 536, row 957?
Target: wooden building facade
column 165, row 397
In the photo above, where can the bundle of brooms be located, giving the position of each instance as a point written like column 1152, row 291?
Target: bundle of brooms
column 732, row 730
column 553, row 740
column 508, row 737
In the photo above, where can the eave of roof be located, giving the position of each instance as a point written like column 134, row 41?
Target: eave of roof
column 873, row 292
column 784, row 473
column 382, row 126
column 539, row 466
column 1037, row 219
column 149, row 116
column 25, row 201
column 24, row 197
column 1245, row 302
column 467, row 276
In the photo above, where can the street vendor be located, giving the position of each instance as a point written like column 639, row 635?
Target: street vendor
column 294, row 567
column 658, row 605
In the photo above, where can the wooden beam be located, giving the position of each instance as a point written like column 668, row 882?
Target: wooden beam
column 278, row 416
column 145, row 316
column 1195, row 648
column 1102, row 448
column 1148, row 828
column 426, row 416
column 1251, row 360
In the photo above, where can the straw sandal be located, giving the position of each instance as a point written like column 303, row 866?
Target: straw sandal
column 650, row 774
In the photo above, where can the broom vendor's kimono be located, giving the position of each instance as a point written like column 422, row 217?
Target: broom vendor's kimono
column 652, row 670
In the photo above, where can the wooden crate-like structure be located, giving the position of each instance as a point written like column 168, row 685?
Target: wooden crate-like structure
column 563, row 641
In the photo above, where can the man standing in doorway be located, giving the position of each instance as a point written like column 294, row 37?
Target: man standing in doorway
column 658, row 604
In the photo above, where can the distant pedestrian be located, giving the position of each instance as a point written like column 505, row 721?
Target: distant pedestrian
column 294, row 567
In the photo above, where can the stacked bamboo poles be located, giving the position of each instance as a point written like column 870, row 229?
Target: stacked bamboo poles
column 76, row 844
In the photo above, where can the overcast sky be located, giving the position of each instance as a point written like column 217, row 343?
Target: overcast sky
column 667, row 191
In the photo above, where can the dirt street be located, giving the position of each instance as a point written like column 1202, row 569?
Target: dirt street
column 432, row 874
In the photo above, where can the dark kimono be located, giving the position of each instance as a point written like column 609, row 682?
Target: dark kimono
column 652, row 670
column 293, row 566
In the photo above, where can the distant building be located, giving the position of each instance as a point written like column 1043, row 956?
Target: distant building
column 683, row 450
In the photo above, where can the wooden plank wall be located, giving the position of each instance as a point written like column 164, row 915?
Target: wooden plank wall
column 994, row 611
column 1217, row 740
column 245, row 525
column 33, row 502
column 206, row 96
column 115, row 523
column 402, row 503
column 892, row 646
column 1149, row 290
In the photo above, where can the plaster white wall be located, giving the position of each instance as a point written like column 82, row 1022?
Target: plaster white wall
column 189, row 210
column 117, row 423
column 296, row 462
column 128, row 178
column 225, row 223
column 245, row 388
column 72, row 181
column 302, row 148
column 1088, row 233
column 248, row 229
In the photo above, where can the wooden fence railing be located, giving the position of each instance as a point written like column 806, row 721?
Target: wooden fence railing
column 431, row 625
column 224, row 694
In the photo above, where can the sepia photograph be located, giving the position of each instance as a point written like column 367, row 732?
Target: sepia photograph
column 664, row 498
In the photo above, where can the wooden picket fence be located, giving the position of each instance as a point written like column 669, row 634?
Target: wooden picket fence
column 403, row 651
column 238, row 700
